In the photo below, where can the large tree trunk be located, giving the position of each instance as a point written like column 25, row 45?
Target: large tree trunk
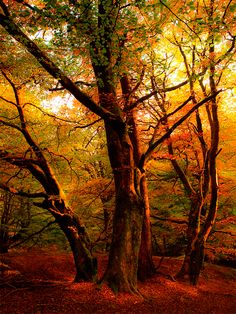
column 146, row 267
column 193, row 261
column 75, row 232
column 121, row 273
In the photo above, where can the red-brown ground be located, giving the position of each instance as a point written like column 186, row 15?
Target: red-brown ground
column 45, row 286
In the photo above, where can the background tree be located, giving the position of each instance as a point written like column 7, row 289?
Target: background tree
column 202, row 186
column 31, row 159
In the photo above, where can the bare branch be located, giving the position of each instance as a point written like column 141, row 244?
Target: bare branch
column 155, row 92
column 33, row 8
column 34, row 234
column 33, row 165
column 8, row 101
column 153, row 146
column 173, row 220
column 22, row 193
column 50, row 114
column 177, row 109
column 13, row 86
column 62, row 119
column 228, row 52
column 226, row 9
column 77, row 83
column 87, row 125
column 139, row 82
column 186, row 24
column 11, row 125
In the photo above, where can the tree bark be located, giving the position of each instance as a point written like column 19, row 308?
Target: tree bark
column 146, row 266
column 192, row 253
column 121, row 273
column 75, row 232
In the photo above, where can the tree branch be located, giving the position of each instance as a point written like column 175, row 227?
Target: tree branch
column 173, row 220
column 11, row 125
column 155, row 92
column 153, row 146
column 22, row 193
column 62, row 119
column 186, row 24
column 13, row 29
column 4, row 8
column 34, row 166
column 77, row 83
column 33, row 234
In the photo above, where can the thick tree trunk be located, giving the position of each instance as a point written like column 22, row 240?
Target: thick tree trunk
column 121, row 273
column 196, row 260
column 146, row 267
column 193, row 261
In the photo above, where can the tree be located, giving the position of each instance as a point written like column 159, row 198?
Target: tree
column 109, row 36
column 202, row 187
column 128, row 217
column 32, row 159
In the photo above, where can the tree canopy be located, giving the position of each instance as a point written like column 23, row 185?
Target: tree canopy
column 103, row 93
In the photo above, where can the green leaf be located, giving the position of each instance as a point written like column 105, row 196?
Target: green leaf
column 232, row 8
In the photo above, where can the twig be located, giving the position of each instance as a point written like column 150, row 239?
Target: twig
column 33, row 234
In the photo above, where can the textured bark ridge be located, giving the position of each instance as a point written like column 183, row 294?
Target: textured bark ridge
column 121, row 273
column 122, row 269
column 76, row 234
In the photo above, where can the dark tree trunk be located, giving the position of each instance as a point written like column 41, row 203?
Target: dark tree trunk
column 85, row 263
column 198, row 233
column 192, row 250
column 121, row 273
column 4, row 242
column 4, row 234
column 146, row 267
column 75, row 232
column 5, row 222
column 196, row 261
column 193, row 262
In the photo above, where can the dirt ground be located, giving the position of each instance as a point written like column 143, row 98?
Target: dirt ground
column 43, row 284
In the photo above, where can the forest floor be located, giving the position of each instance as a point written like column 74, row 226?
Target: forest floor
column 44, row 285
